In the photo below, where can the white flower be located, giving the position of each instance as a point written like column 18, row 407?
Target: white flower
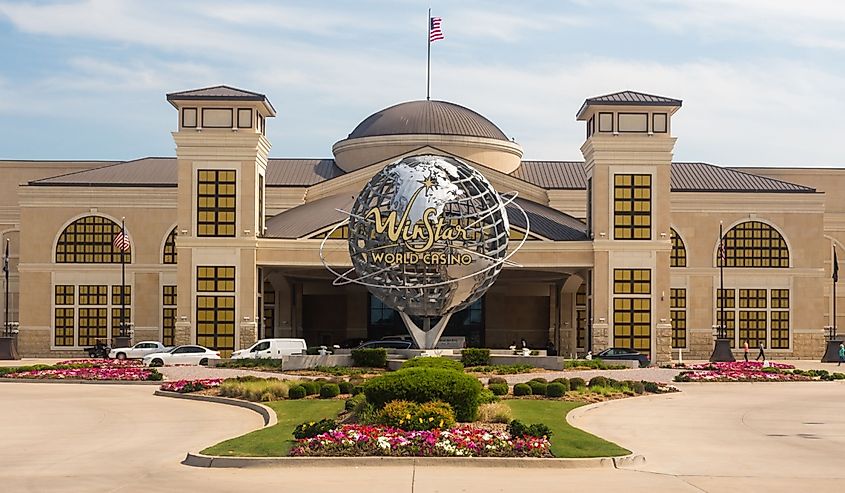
column 383, row 442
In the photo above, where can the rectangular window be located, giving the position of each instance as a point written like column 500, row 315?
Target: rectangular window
column 168, row 315
column 93, row 295
column 633, row 122
column 116, row 295
column 752, row 327
column 64, row 326
column 216, row 192
column 632, row 323
column 64, row 295
column 214, row 279
column 659, row 123
column 631, row 281
column 605, row 122
column 632, row 207
column 761, row 316
column 752, row 298
column 216, row 323
column 217, row 118
column 93, row 326
column 189, row 117
column 244, row 118
column 727, row 299
column 678, row 312
column 780, row 329
column 581, row 317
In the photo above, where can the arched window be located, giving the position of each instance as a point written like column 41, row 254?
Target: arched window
column 90, row 240
column 169, row 255
column 679, row 251
column 754, row 244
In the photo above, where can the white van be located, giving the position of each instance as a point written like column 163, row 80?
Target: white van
column 271, row 348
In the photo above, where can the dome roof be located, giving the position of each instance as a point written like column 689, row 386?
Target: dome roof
column 427, row 118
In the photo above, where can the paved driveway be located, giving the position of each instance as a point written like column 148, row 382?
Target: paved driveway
column 718, row 437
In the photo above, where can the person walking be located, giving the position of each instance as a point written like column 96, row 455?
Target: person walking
column 841, row 353
column 745, row 350
column 762, row 354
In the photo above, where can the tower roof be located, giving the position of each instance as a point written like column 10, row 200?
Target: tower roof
column 219, row 93
column 629, row 98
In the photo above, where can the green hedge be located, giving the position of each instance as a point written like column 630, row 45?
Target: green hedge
column 521, row 389
column 374, row 358
column 459, row 390
column 555, row 389
column 329, row 391
column 537, row 388
column 297, row 392
column 345, row 387
column 311, row 387
column 576, row 383
column 564, row 382
column 475, row 357
column 498, row 388
column 433, row 362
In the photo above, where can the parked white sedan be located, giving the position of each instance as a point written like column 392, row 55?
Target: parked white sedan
column 138, row 350
column 182, row 355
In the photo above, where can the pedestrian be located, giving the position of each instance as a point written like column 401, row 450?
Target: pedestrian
column 841, row 353
column 762, row 354
column 745, row 350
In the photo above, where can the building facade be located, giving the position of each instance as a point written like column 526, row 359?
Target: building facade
column 620, row 250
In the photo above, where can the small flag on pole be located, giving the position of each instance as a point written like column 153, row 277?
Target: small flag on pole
column 121, row 242
column 835, row 266
column 434, row 31
column 722, row 253
column 6, row 259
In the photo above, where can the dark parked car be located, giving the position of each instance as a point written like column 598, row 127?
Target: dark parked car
column 617, row 353
column 386, row 344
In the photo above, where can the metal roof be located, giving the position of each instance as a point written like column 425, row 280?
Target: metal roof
column 629, row 98
column 219, row 93
column 704, row 177
column 553, row 174
column 300, row 172
column 309, row 218
column 427, row 117
column 144, row 172
column 547, row 222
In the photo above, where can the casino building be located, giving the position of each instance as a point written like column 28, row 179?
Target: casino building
column 621, row 249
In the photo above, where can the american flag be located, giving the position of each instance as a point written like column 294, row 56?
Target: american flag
column 121, row 242
column 6, row 259
column 434, row 31
column 835, row 265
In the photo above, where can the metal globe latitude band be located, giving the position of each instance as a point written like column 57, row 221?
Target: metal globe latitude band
column 428, row 235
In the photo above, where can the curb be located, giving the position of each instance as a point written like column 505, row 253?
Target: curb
column 268, row 414
column 94, row 382
column 200, row 460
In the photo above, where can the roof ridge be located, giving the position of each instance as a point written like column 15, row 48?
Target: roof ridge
column 46, row 178
column 218, row 86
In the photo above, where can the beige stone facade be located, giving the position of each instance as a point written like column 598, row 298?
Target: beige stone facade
column 225, row 239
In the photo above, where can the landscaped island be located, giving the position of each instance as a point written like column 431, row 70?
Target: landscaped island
column 85, row 369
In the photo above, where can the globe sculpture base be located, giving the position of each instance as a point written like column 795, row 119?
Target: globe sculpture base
column 427, row 336
column 722, row 352
column 831, row 353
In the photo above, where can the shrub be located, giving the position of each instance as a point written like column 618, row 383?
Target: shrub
column 539, row 379
column 577, row 383
column 459, row 390
column 637, row 387
column 498, row 388
column 251, row 363
column 614, row 384
column 436, row 412
column 357, row 389
column 555, row 389
column 434, row 362
column 595, row 364
column 311, row 387
column 329, row 391
column 487, row 396
column 495, row 412
column 493, row 380
column 256, row 390
column 376, row 358
column 598, row 382
column 521, row 389
column 650, row 387
column 412, row 416
column 155, row 376
column 314, row 428
column 297, row 392
column 475, row 357
column 345, row 387
column 564, row 382
column 503, row 369
column 839, row 376
column 352, row 403
column 769, row 369
column 518, row 429
column 538, row 388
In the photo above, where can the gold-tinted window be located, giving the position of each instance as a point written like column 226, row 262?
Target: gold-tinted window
column 64, row 295
column 730, row 324
column 64, row 326
column 89, row 240
column 115, row 319
column 214, row 279
column 780, row 298
column 752, row 327
column 93, row 295
column 679, row 251
column 752, row 298
column 168, row 314
column 581, row 317
column 169, row 255
column 678, row 312
column 631, row 281
column 632, row 207
column 216, row 203
column 780, row 329
column 726, row 298
column 754, row 244
column 341, row 233
column 93, row 325
column 216, row 323
column 632, row 323
column 116, row 295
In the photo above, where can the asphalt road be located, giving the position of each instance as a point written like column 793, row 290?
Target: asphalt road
column 711, row 437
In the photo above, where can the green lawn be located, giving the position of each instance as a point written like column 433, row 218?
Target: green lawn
column 276, row 440
column 566, row 440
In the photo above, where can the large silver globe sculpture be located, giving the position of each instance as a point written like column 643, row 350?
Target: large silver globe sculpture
column 409, row 272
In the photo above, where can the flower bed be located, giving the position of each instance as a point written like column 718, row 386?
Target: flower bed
column 462, row 441
column 101, row 363
column 741, row 371
column 120, row 373
column 740, row 366
column 186, row 386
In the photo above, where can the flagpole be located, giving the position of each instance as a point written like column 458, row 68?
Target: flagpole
column 428, row 65
column 7, row 328
column 722, row 257
column 835, row 279
column 122, row 277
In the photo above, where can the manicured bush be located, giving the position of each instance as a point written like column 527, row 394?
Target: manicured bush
column 256, row 389
column 297, row 392
column 595, row 364
column 314, row 428
column 345, row 387
column 353, row 402
column 614, row 384
column 498, row 388
column 539, row 379
column 564, row 382
column 576, row 383
column 495, row 412
column 412, row 416
column 357, row 389
column 433, row 362
column 555, row 389
column 518, row 429
column 538, row 388
column 651, row 387
column 460, row 390
column 436, row 413
column 154, row 375
column 275, row 364
column 329, row 391
column 503, row 369
column 598, row 382
column 311, row 387
column 493, row 380
column 521, row 389
column 487, row 396
column 839, row 376
column 475, row 357
column 375, row 358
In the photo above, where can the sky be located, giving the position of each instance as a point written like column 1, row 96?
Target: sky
column 761, row 80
